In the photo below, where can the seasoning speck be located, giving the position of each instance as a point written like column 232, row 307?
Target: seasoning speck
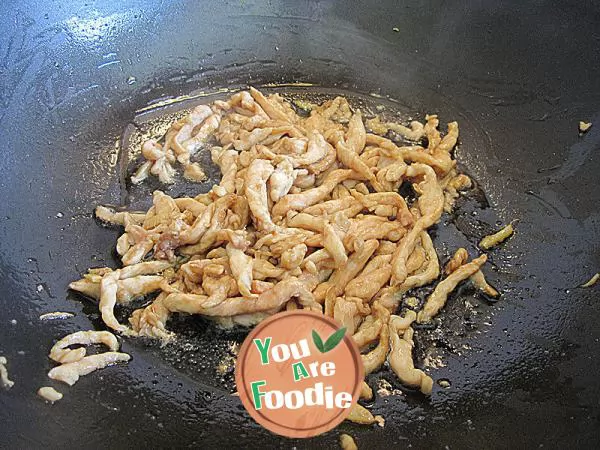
column 39, row 288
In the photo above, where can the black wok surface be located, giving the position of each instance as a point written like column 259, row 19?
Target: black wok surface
column 517, row 76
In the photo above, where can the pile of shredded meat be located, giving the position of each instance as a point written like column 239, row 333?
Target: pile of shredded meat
column 307, row 215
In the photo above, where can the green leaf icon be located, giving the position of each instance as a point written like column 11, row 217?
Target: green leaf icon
column 331, row 342
column 334, row 340
column 318, row 341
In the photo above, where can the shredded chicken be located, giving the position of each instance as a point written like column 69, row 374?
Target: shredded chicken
column 414, row 133
column 347, row 442
column 307, row 215
column 584, row 126
column 109, row 215
column 374, row 359
column 459, row 258
column 360, row 414
column 69, row 373
column 366, row 393
column 4, row 380
column 57, row 315
column 592, row 281
column 438, row 297
column 400, row 357
column 494, row 239
column 49, row 394
column 61, row 352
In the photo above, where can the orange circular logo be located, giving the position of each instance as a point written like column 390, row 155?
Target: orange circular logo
column 298, row 374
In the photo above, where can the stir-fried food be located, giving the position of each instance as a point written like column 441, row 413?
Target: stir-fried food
column 592, row 281
column 75, row 363
column 584, row 126
column 49, row 394
column 307, row 215
column 57, row 315
column 61, row 353
column 69, row 373
column 347, row 442
column 400, row 357
column 4, row 380
column 494, row 239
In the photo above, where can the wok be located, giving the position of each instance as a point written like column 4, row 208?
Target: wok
column 517, row 76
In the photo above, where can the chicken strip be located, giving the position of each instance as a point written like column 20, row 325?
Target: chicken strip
column 368, row 331
column 331, row 207
column 438, row 297
column 241, row 268
column 258, row 173
column 360, row 414
column 460, row 258
column 61, row 352
column 366, row 393
column 373, row 360
column 127, row 289
column 317, row 149
column 227, row 160
column 431, row 205
column 372, row 201
column 49, row 394
column 356, row 136
column 69, row 373
column 347, row 311
column 293, row 257
column 334, row 245
column 150, row 321
column 267, row 301
column 108, row 299
column 342, row 275
column 430, row 271
column 4, row 380
column 281, row 180
column 374, row 276
column 347, row 442
column 311, row 196
column 273, row 109
column 372, row 227
column 109, row 215
column 400, row 357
